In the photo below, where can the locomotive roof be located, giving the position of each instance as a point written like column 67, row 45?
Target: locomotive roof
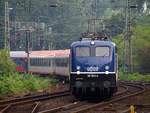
column 97, row 42
column 43, row 53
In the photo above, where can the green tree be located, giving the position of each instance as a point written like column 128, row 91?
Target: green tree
column 143, row 57
column 141, row 47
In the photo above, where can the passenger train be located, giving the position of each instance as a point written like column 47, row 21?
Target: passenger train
column 91, row 66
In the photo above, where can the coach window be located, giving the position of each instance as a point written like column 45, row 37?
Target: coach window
column 37, row 61
column 57, row 61
column 61, row 62
column 31, row 61
column 102, row 51
column 82, row 51
column 44, row 62
column 65, row 62
column 34, row 61
column 40, row 61
column 49, row 62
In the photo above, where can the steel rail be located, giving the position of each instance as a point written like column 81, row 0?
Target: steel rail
column 142, row 89
column 71, row 105
column 125, row 111
column 25, row 98
column 35, row 98
column 22, row 98
column 5, row 109
column 35, row 107
column 78, row 104
column 123, row 91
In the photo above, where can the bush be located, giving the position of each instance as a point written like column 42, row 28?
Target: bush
column 6, row 64
column 19, row 84
column 134, row 77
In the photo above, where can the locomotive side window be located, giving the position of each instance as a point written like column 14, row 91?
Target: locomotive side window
column 102, row 51
column 82, row 51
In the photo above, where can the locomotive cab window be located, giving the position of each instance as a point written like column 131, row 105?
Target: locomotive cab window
column 82, row 51
column 102, row 51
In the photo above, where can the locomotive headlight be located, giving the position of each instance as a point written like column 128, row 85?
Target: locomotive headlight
column 106, row 67
column 78, row 72
column 106, row 72
column 78, row 67
column 92, row 43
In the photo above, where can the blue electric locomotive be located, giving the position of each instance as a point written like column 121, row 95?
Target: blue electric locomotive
column 93, row 69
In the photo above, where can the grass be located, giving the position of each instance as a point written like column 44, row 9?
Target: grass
column 19, row 84
column 134, row 77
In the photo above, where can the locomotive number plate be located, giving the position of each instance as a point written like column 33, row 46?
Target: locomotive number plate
column 92, row 76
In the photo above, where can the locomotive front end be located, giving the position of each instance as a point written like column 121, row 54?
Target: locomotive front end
column 93, row 69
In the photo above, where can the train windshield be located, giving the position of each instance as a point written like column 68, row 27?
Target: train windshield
column 82, row 51
column 102, row 51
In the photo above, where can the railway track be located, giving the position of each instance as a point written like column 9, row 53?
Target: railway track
column 7, row 104
column 34, row 104
column 69, row 108
column 130, row 92
column 82, row 107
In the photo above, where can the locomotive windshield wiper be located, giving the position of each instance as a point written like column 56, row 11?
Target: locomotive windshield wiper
column 104, row 55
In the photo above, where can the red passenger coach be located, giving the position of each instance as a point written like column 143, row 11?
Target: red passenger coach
column 43, row 62
column 20, row 58
column 50, row 62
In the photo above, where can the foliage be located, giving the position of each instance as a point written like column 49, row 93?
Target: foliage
column 120, row 48
column 140, row 48
column 115, row 25
column 134, row 77
column 143, row 57
column 18, row 84
column 6, row 64
column 68, row 19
